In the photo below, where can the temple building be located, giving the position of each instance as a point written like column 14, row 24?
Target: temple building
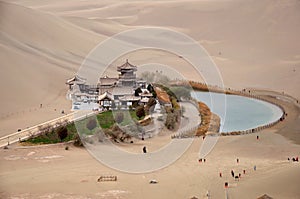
column 76, row 80
column 107, row 84
column 110, row 92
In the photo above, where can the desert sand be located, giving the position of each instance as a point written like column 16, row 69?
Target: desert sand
column 42, row 43
column 52, row 172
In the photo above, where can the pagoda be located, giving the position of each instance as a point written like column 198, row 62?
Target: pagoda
column 127, row 76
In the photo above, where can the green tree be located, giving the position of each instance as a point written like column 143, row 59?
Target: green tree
column 62, row 132
column 170, row 120
column 150, row 88
column 151, row 104
column 140, row 111
column 137, row 91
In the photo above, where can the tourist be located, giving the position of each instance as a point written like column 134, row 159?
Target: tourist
column 257, row 137
column 220, row 174
column 237, row 160
column 232, row 173
column 204, row 160
column 226, row 184
column 144, row 149
column 244, row 171
column 295, row 159
column 207, row 194
column 254, row 168
column 200, row 160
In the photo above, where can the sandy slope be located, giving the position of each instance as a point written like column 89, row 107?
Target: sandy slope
column 253, row 46
column 42, row 43
column 38, row 53
column 55, row 173
column 254, row 37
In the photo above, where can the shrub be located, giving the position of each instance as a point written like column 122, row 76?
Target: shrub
column 171, row 120
column 135, row 104
column 77, row 141
column 151, row 104
column 62, row 132
column 150, row 88
column 130, row 107
column 140, row 112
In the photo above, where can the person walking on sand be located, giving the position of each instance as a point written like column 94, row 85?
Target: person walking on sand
column 232, row 173
column 144, row 149
column 237, row 160
column 254, row 168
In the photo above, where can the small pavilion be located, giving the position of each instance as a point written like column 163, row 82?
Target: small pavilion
column 76, row 80
column 105, row 100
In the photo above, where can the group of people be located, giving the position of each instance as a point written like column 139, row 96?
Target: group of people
column 294, row 159
column 236, row 177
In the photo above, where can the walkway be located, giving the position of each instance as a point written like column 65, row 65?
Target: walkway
column 111, row 156
column 34, row 130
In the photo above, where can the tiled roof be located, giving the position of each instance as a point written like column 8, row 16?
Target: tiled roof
column 127, row 66
column 108, row 81
column 76, row 79
column 105, row 95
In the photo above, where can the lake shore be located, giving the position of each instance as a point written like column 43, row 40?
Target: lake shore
column 51, row 171
column 254, row 44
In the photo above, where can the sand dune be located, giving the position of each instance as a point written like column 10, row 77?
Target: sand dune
column 38, row 52
column 42, row 43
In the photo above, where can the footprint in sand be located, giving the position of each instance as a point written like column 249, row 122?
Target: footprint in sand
column 31, row 153
column 45, row 159
column 12, row 157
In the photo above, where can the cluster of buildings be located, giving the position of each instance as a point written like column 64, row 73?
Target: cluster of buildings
column 109, row 92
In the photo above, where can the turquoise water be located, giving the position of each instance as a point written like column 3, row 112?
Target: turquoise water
column 239, row 113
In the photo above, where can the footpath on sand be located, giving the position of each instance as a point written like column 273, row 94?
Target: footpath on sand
column 34, row 130
column 112, row 156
